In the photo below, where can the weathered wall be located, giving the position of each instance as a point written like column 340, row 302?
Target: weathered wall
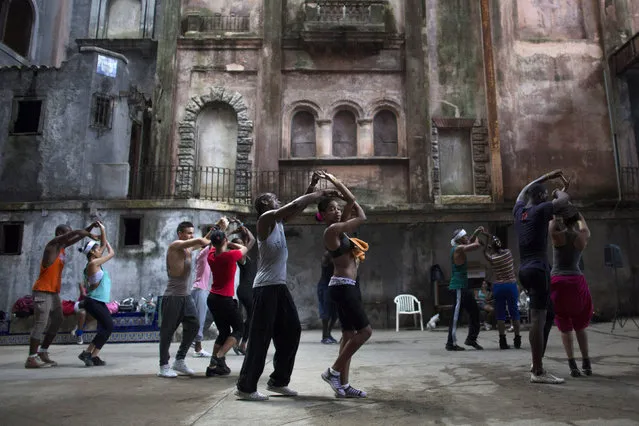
column 552, row 105
column 398, row 261
column 58, row 163
column 455, row 62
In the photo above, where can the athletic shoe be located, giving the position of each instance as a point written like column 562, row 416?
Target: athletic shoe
column 332, row 339
column 180, row 366
column 352, row 392
column 586, row 367
column 253, row 396
column 454, row 348
column 35, row 362
column 334, row 381
column 217, row 367
column 86, row 358
column 517, row 342
column 97, row 361
column 474, row 344
column 326, row 341
column 79, row 340
column 44, row 356
column 201, row 354
column 282, row 390
column 487, row 327
column 166, row 371
column 545, row 378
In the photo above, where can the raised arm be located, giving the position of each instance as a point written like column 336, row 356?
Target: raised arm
column 248, row 237
column 583, row 233
column 103, row 259
column 349, row 225
column 347, row 196
column 552, row 175
column 193, row 242
column 289, row 211
column 73, row 237
column 314, row 181
column 475, row 243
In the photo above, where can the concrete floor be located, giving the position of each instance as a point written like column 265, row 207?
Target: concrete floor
column 410, row 378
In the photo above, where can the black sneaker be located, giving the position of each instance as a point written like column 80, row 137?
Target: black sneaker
column 517, row 342
column 86, row 358
column 474, row 344
column 454, row 348
column 97, row 361
column 218, row 367
column 574, row 370
column 586, row 367
column 503, row 344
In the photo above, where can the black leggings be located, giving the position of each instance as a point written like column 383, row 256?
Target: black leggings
column 245, row 296
column 100, row 312
column 226, row 315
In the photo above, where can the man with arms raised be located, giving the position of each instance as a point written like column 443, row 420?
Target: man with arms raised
column 177, row 304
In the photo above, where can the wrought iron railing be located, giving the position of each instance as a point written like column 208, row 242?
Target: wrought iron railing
column 630, row 183
column 345, row 12
column 217, row 183
column 217, row 23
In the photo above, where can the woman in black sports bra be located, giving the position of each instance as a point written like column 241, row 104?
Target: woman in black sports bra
column 356, row 329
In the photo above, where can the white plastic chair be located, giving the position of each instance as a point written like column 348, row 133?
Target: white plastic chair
column 405, row 305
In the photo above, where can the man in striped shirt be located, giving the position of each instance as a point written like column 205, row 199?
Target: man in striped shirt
column 505, row 291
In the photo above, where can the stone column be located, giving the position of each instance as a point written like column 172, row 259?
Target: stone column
column 269, row 89
column 324, row 139
column 417, row 108
column 365, row 140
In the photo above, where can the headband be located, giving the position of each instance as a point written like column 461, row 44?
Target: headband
column 457, row 236
column 89, row 247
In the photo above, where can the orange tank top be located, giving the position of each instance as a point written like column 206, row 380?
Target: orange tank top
column 50, row 278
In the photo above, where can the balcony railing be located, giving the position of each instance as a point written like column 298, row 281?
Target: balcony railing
column 630, row 183
column 627, row 56
column 217, row 184
column 362, row 15
column 217, row 24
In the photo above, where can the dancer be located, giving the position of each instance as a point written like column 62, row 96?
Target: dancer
column 244, row 293
column 177, row 305
column 223, row 258
column 274, row 312
column 46, row 294
column 98, row 284
column 484, row 297
column 505, row 290
column 201, row 288
column 532, row 213
column 344, row 292
column 464, row 298
column 569, row 290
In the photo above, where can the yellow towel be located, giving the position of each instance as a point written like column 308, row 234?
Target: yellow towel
column 360, row 249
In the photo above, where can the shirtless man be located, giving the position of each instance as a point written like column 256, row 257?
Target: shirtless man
column 177, row 304
column 46, row 294
column 465, row 298
column 532, row 214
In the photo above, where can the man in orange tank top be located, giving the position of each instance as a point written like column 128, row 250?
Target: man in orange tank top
column 46, row 294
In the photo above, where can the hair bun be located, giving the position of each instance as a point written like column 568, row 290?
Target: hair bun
column 319, row 217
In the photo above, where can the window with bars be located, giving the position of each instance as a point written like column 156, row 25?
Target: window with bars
column 102, row 111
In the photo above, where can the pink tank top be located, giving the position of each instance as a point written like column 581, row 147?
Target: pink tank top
column 202, row 270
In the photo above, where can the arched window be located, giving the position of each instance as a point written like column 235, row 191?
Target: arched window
column 385, row 133
column 344, row 134
column 303, row 135
column 16, row 25
column 123, row 19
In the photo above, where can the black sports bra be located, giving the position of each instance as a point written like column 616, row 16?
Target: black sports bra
column 345, row 246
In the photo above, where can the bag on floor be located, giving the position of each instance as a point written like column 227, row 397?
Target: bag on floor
column 23, row 307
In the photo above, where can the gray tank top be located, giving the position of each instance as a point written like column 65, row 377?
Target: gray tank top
column 179, row 286
column 273, row 254
column 566, row 258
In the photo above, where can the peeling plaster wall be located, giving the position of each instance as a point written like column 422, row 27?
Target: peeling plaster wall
column 552, row 105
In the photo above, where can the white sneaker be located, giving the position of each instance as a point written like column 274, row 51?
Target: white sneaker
column 487, row 327
column 166, row 371
column 253, row 396
column 201, row 354
column 79, row 339
column 545, row 378
column 180, row 366
column 282, row 390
